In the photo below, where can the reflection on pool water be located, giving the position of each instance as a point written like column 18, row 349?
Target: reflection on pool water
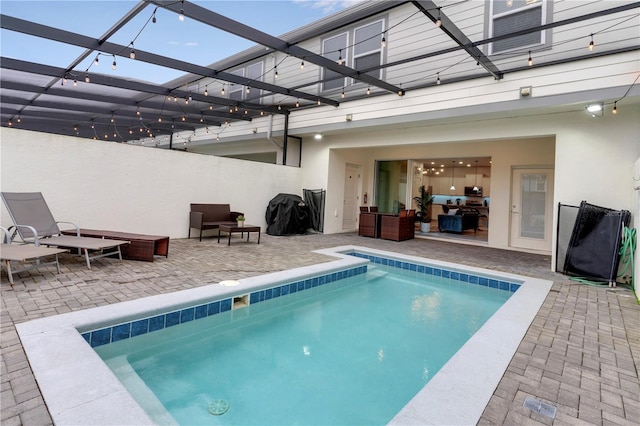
column 322, row 307
column 351, row 351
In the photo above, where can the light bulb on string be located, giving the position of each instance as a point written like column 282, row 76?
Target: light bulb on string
column 206, row 91
column 342, row 94
column 438, row 21
column 97, row 60
column 615, row 107
column 248, row 90
column 114, row 65
column 383, row 42
column 368, row 91
column 591, row 43
column 530, row 61
column 297, row 103
column 275, row 74
column 302, row 65
column 132, row 54
column 86, row 78
column 181, row 16
column 340, row 57
column 222, row 91
column 438, row 79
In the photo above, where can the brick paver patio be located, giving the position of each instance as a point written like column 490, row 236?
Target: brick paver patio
column 581, row 354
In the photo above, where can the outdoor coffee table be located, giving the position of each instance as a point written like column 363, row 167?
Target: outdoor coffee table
column 230, row 229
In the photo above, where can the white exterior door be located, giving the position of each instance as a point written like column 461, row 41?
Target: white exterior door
column 532, row 208
column 350, row 203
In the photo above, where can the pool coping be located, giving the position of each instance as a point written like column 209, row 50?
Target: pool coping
column 83, row 390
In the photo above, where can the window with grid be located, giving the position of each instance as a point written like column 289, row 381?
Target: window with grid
column 333, row 48
column 235, row 90
column 508, row 16
column 367, row 49
column 254, row 73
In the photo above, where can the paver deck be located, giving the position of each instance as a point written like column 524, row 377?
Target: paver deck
column 581, row 354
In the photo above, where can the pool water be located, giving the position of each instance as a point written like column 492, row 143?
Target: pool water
column 354, row 351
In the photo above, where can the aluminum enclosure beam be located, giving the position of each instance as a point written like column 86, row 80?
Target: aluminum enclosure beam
column 62, row 36
column 433, row 12
column 223, row 23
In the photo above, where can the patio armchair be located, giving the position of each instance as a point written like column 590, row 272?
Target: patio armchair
column 398, row 228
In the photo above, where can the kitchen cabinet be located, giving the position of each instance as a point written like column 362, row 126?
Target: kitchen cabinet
column 486, row 186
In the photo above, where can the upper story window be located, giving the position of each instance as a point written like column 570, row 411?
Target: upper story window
column 335, row 48
column 235, row 90
column 359, row 48
column 367, row 49
column 253, row 72
column 508, row 16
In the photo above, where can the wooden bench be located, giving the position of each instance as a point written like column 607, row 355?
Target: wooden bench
column 141, row 247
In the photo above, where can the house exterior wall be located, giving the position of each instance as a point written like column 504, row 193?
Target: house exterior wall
column 577, row 145
column 106, row 185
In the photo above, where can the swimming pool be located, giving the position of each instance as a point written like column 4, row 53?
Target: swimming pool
column 57, row 338
column 380, row 335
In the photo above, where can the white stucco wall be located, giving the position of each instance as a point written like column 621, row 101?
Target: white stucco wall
column 128, row 188
column 593, row 157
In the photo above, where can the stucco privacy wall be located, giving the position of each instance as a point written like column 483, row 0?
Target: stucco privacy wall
column 129, row 188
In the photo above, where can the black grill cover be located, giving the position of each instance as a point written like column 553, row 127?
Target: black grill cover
column 287, row 214
column 594, row 248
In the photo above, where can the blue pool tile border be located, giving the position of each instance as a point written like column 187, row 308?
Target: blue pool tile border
column 481, row 280
column 104, row 336
column 138, row 327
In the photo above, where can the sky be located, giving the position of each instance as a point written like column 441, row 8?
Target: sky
column 168, row 36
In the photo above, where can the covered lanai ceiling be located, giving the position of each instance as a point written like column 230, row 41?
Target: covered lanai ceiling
column 77, row 99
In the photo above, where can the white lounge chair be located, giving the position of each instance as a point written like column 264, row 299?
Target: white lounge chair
column 25, row 253
column 35, row 224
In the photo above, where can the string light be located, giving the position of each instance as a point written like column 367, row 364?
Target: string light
column 222, row 91
column 114, row 65
column 132, row 54
column 530, row 61
column 248, row 90
column 384, row 42
column 438, row 21
column 97, row 60
column 438, row 79
column 340, row 57
column 75, row 82
column 318, row 101
column 615, row 107
column 297, row 103
column 276, row 72
column 368, row 90
column 342, row 94
column 181, row 16
column 302, row 65
column 206, row 90
column 86, row 78
column 591, row 43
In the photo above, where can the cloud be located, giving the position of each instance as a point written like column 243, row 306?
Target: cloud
column 328, row 6
column 184, row 43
